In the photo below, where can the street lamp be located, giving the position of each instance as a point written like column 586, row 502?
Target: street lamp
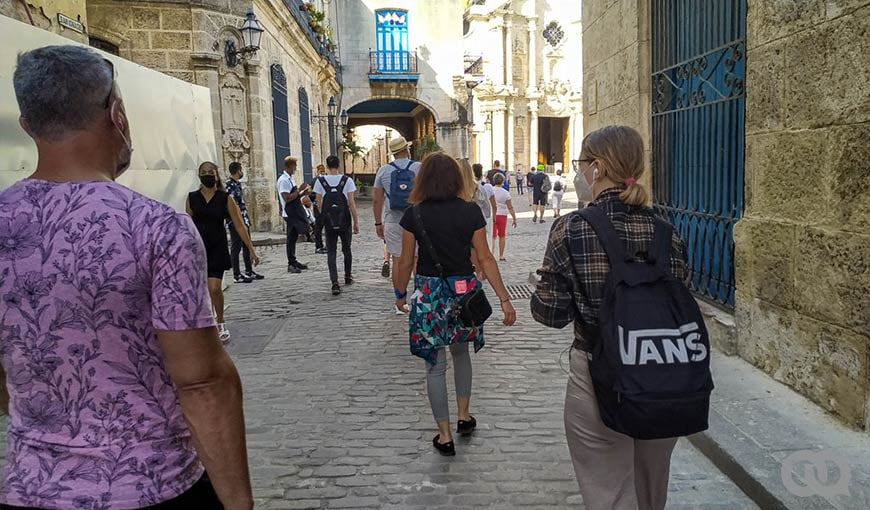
column 343, row 119
column 252, row 32
column 331, row 110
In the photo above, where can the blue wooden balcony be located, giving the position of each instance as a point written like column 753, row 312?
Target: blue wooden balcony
column 393, row 66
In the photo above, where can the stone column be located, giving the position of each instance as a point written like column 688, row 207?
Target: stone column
column 508, row 53
column 509, row 157
column 533, row 56
column 533, row 132
column 502, row 53
column 498, row 132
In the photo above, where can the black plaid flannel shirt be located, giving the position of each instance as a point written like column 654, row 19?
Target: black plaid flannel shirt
column 576, row 266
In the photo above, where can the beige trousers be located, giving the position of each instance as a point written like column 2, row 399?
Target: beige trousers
column 615, row 472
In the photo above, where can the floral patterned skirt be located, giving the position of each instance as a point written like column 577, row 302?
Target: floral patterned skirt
column 433, row 322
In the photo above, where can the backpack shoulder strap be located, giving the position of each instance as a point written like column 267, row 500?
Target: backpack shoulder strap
column 410, row 162
column 606, row 233
column 324, row 184
column 341, row 183
column 660, row 249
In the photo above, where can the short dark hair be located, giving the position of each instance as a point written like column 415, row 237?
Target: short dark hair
column 496, row 163
column 478, row 170
column 235, row 167
column 332, row 162
column 439, row 178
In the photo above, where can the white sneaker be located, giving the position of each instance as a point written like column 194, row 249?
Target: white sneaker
column 223, row 333
column 400, row 311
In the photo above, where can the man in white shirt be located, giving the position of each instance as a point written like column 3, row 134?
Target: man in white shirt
column 504, row 206
column 486, row 188
column 391, row 179
column 337, row 216
column 293, row 212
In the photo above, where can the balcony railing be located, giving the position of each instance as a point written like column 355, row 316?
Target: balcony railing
column 320, row 43
column 393, row 66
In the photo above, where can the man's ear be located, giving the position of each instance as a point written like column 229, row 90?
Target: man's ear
column 23, row 123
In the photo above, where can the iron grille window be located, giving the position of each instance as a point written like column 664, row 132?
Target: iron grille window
column 698, row 61
column 280, row 124
column 392, row 55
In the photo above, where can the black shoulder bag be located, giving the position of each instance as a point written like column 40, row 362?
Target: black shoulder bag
column 472, row 308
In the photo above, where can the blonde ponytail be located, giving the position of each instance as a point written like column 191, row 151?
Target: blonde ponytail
column 635, row 194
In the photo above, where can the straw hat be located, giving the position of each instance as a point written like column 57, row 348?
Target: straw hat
column 399, row 144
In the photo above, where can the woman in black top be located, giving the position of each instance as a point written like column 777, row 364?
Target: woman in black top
column 455, row 228
column 210, row 207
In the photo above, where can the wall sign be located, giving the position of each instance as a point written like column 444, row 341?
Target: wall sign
column 67, row 22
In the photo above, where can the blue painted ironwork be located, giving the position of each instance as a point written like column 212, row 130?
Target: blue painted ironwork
column 305, row 130
column 280, row 124
column 393, row 66
column 699, row 67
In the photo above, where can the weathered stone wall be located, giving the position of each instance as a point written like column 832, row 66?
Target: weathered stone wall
column 616, row 66
column 803, row 246
column 44, row 14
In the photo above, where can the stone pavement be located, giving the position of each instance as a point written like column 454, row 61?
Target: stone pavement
column 337, row 412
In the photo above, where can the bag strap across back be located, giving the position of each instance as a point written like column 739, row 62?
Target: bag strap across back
column 418, row 218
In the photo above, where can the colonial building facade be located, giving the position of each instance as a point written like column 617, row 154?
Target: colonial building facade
column 264, row 107
column 522, row 62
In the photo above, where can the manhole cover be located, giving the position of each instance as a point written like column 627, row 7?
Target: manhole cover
column 519, row 291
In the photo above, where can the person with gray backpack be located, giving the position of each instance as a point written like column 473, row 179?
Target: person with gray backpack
column 640, row 361
column 393, row 185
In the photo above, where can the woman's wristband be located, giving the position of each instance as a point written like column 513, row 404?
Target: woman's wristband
column 379, row 224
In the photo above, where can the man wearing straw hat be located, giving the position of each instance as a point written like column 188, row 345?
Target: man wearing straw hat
column 393, row 184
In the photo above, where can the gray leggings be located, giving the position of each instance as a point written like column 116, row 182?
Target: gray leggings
column 436, row 379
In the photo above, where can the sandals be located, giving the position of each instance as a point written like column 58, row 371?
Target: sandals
column 465, row 428
column 446, row 449
column 223, row 333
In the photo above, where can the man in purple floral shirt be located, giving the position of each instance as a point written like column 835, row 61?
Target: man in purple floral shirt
column 118, row 391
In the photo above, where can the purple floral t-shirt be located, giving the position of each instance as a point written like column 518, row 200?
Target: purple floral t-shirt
column 88, row 272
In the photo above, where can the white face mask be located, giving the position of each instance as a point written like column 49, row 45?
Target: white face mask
column 584, row 189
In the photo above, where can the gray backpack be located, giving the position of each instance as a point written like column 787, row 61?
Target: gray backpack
column 482, row 201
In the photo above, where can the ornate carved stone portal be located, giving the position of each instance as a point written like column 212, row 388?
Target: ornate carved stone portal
column 234, row 119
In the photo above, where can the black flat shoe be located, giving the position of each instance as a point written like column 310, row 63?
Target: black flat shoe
column 348, row 280
column 465, row 428
column 446, row 449
column 336, row 289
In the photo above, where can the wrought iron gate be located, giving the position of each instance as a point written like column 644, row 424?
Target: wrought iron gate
column 698, row 62
column 305, row 131
column 280, row 125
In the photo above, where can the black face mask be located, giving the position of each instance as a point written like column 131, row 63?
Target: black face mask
column 208, row 180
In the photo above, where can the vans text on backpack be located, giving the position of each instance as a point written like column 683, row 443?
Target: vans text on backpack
column 401, row 184
column 336, row 211
column 650, row 363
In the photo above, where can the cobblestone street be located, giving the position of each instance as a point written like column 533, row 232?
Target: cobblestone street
column 337, row 412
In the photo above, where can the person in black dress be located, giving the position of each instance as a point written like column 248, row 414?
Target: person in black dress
column 210, row 207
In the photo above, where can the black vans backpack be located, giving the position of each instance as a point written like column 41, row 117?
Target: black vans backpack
column 336, row 211
column 557, row 186
column 650, row 364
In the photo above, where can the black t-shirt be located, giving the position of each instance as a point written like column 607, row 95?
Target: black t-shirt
column 451, row 225
column 537, row 180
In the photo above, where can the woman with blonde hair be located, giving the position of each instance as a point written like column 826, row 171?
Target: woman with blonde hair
column 444, row 227
column 614, row 470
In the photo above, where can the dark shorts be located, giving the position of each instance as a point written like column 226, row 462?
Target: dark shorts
column 201, row 496
column 540, row 198
column 216, row 274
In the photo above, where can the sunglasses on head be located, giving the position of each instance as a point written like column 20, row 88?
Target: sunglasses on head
column 114, row 76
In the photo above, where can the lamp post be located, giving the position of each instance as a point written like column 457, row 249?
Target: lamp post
column 252, row 32
column 331, row 110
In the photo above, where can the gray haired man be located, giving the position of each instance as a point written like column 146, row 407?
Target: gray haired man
column 119, row 392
